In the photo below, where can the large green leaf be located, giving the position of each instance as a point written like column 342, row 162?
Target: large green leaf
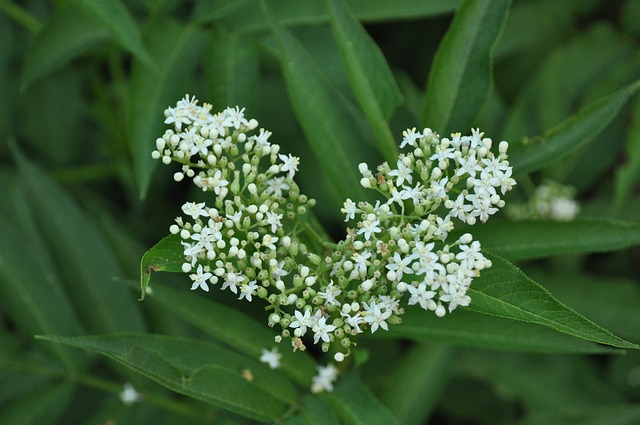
column 567, row 137
column 31, row 293
column 233, row 73
column 69, row 32
column 416, row 383
column 537, row 239
column 83, row 257
column 505, row 291
column 470, row 329
column 628, row 174
column 40, row 407
column 354, row 404
column 246, row 15
column 198, row 369
column 369, row 74
column 115, row 16
column 461, row 75
column 609, row 414
column 322, row 111
column 234, row 328
column 174, row 49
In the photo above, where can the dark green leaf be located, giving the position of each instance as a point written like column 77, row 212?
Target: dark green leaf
column 246, row 15
column 417, row 381
column 233, row 72
column 115, row 16
column 69, row 33
column 41, row 407
column 469, row 329
column 369, row 74
column 354, row 404
column 628, row 175
column 323, row 114
column 174, row 49
column 32, row 295
column 198, row 369
column 504, row 291
column 461, row 75
column 611, row 414
column 315, row 412
column 571, row 134
column 85, row 259
column 234, row 328
column 538, row 239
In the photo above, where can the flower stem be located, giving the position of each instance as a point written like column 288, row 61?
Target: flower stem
column 21, row 16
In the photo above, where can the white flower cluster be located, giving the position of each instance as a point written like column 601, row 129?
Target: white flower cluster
column 249, row 242
column 550, row 201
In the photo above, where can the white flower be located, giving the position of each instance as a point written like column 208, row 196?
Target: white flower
column 321, row 330
column 272, row 358
column 421, row 296
column 330, row 294
column 438, row 189
column 274, row 220
column 247, row 290
column 354, row 321
column 375, row 317
column 369, row 226
column 323, row 381
column 269, row 241
column 130, row 395
column 290, row 164
column 399, row 265
column 361, row 262
column 350, row 209
column 302, row 322
column 176, row 116
column 402, row 173
column 262, row 139
column 200, row 279
column 195, row 210
column 409, row 137
column 276, row 185
column 231, row 281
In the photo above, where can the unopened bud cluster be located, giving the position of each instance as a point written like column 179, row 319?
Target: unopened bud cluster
column 248, row 240
column 550, row 201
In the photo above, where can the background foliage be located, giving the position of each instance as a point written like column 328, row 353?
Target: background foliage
column 82, row 88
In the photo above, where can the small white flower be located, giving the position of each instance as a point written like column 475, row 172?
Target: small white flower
column 269, row 241
column 350, row 209
column 195, row 210
column 200, row 279
column 421, row 296
column 321, row 330
column 272, row 358
column 369, row 226
column 409, row 137
column 330, row 294
column 289, row 163
column 323, row 381
column 274, row 220
column 130, row 395
column 247, row 290
column 302, row 322
column 402, row 173
column 276, row 185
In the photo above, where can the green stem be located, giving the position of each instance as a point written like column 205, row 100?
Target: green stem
column 21, row 16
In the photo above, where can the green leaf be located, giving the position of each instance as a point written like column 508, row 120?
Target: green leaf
column 354, row 404
column 323, row 114
column 570, row 135
column 84, row 258
column 115, row 16
column 461, row 75
column 628, row 174
column 233, row 70
column 245, row 15
column 610, row 414
column 198, row 369
column 539, row 239
column 69, row 33
column 315, row 412
column 31, row 294
column 234, row 328
column 175, row 50
column 504, row 291
column 40, row 407
column 470, row 329
column 165, row 256
column 369, row 74
column 417, row 381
